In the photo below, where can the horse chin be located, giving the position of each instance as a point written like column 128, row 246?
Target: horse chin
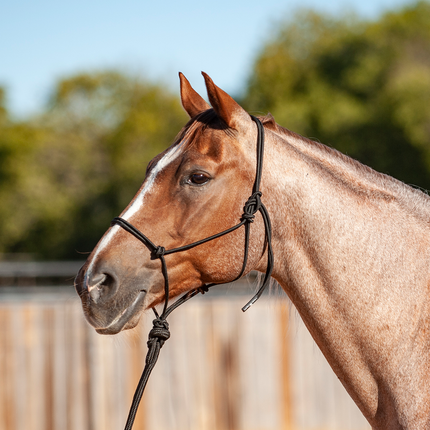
column 116, row 328
column 127, row 319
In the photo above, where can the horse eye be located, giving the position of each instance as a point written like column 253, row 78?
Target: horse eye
column 198, row 179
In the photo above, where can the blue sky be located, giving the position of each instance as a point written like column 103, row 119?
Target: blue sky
column 42, row 41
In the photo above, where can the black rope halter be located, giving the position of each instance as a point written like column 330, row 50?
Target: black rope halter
column 160, row 331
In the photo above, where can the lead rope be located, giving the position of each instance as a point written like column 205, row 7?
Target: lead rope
column 160, row 330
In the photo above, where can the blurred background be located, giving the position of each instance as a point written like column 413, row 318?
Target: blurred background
column 89, row 93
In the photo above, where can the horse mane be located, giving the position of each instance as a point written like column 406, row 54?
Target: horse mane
column 363, row 179
column 317, row 147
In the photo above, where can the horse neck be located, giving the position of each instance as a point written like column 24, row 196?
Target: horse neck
column 321, row 201
column 345, row 239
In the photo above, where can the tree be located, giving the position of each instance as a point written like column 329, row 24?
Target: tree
column 360, row 86
column 66, row 173
column 25, row 186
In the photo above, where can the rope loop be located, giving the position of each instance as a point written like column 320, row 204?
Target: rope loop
column 252, row 206
column 158, row 252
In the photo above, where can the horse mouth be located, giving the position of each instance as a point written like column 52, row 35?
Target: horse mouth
column 127, row 319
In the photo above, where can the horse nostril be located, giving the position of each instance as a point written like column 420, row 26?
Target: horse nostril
column 101, row 286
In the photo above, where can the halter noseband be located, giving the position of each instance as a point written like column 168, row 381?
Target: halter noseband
column 160, row 332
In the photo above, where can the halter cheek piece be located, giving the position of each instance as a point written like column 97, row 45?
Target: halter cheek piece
column 160, row 331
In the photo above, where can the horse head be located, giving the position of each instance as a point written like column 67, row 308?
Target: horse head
column 194, row 189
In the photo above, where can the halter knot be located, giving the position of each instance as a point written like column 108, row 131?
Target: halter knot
column 203, row 289
column 158, row 252
column 159, row 332
column 252, row 206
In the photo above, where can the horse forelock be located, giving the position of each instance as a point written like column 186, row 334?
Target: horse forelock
column 195, row 128
column 191, row 132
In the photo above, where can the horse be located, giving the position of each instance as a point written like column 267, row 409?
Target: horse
column 350, row 246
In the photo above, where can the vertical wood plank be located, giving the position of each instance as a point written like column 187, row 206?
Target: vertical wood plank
column 86, row 369
column 29, row 399
column 8, row 371
column 286, row 404
column 60, row 371
column 74, row 364
column 48, row 320
column 3, row 366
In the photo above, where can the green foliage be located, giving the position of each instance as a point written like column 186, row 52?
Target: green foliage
column 362, row 87
column 65, row 173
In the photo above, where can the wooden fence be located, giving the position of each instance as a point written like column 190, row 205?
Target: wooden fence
column 221, row 369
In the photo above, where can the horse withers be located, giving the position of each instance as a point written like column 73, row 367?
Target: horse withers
column 350, row 249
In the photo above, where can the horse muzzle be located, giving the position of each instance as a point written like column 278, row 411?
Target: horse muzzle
column 105, row 308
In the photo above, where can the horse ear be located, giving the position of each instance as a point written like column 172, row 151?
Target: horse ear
column 192, row 102
column 227, row 109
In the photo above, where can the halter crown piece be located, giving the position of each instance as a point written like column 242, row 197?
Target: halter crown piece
column 160, row 331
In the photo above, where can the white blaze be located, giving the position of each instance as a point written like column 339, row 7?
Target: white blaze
column 165, row 161
column 138, row 203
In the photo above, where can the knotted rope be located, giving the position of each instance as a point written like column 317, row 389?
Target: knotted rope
column 156, row 338
column 252, row 206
